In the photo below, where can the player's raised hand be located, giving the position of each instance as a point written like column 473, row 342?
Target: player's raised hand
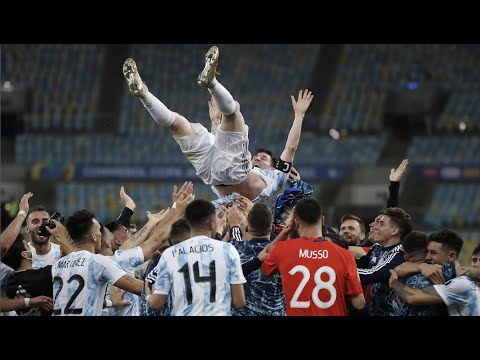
column 157, row 217
column 126, row 199
column 186, row 189
column 396, row 175
column 304, row 100
column 23, row 204
column 183, row 201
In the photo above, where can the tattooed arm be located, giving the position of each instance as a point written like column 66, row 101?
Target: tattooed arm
column 141, row 235
column 470, row 271
column 425, row 296
column 130, row 284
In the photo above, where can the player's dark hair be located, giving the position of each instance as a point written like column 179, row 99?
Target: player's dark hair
column 198, row 213
column 476, row 251
column 356, row 218
column 259, row 220
column 308, row 210
column 449, row 239
column 269, row 152
column 415, row 242
column 401, row 219
column 79, row 225
column 179, row 231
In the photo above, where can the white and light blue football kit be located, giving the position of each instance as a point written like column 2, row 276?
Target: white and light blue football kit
column 274, row 179
column 461, row 295
column 198, row 272
column 39, row 261
column 129, row 260
column 79, row 283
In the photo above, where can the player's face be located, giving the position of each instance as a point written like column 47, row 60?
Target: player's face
column 476, row 260
column 383, row 230
column 34, row 220
column 351, row 232
column 97, row 235
column 107, row 241
column 371, row 235
column 121, row 234
column 436, row 254
column 262, row 160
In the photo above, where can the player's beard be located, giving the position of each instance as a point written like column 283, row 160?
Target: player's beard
column 38, row 240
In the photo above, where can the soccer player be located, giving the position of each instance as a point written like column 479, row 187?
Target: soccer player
column 317, row 274
column 385, row 254
column 461, row 294
column 44, row 252
column 476, row 256
column 180, row 231
column 415, row 246
column 223, row 160
column 264, row 295
column 203, row 275
column 81, row 277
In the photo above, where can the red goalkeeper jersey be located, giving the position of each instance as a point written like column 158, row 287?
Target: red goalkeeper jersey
column 317, row 275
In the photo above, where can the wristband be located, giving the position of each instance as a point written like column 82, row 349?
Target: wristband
column 22, row 212
column 27, row 302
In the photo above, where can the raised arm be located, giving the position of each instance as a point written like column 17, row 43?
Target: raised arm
column 159, row 235
column 395, row 177
column 13, row 229
column 127, row 212
column 300, row 106
column 141, row 235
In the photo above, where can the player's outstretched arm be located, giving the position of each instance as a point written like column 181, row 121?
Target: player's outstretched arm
column 395, row 177
column 300, row 106
column 13, row 229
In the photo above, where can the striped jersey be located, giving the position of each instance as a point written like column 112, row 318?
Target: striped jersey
column 274, row 179
column 79, row 283
column 129, row 260
column 198, row 272
column 461, row 295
